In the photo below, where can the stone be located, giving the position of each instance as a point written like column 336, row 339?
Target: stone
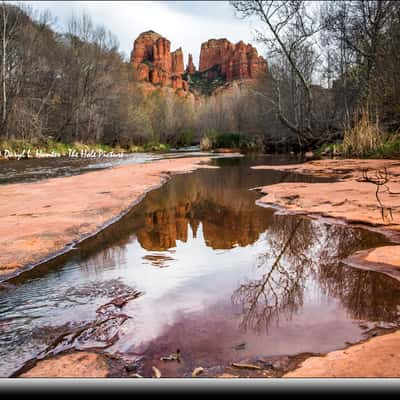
column 162, row 57
column 234, row 61
column 143, row 72
column 177, row 81
column 190, row 69
column 309, row 155
column 229, row 376
column 156, row 372
column 79, row 364
column 197, row 371
column 153, row 61
column 177, row 62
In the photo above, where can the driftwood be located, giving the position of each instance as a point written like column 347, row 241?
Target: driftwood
column 246, row 366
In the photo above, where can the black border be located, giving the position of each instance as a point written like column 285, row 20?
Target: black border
column 201, row 385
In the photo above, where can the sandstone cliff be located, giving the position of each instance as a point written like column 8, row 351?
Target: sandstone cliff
column 231, row 61
column 220, row 61
column 153, row 61
column 190, row 69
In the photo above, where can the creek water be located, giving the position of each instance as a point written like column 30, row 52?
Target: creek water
column 34, row 169
column 220, row 278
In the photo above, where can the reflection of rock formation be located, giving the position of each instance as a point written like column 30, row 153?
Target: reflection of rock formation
column 162, row 218
column 228, row 213
column 228, row 216
column 163, row 228
column 222, row 228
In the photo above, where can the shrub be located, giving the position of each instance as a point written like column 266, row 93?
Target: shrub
column 330, row 149
column 156, row 146
column 229, row 140
column 389, row 149
column 186, row 137
column 239, row 141
column 207, row 142
column 364, row 137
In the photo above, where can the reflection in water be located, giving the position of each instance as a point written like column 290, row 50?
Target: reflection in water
column 300, row 251
column 279, row 290
column 227, row 213
column 370, row 296
column 215, row 271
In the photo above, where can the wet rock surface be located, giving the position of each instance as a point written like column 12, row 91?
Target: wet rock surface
column 377, row 357
column 74, row 365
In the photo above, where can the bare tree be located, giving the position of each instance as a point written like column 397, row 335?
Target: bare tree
column 289, row 36
column 359, row 30
column 11, row 24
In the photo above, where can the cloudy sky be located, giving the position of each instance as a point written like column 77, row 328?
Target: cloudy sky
column 186, row 24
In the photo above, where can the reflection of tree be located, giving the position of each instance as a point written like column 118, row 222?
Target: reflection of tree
column 278, row 290
column 366, row 295
column 109, row 256
column 300, row 249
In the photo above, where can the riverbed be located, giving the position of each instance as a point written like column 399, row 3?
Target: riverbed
column 198, row 267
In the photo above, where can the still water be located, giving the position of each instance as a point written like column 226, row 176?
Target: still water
column 219, row 277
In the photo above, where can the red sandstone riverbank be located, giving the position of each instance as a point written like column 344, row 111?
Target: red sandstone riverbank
column 41, row 219
column 378, row 357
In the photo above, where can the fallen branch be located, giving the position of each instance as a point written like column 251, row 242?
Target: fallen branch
column 380, row 179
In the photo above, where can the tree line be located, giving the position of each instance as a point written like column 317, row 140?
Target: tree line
column 332, row 64
column 332, row 77
column 75, row 86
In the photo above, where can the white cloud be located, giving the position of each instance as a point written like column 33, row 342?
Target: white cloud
column 185, row 24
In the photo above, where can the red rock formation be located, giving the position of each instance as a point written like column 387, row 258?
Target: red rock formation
column 190, row 69
column 162, row 54
column 177, row 62
column 176, row 81
column 214, row 52
column 153, row 61
column 143, row 72
column 232, row 61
